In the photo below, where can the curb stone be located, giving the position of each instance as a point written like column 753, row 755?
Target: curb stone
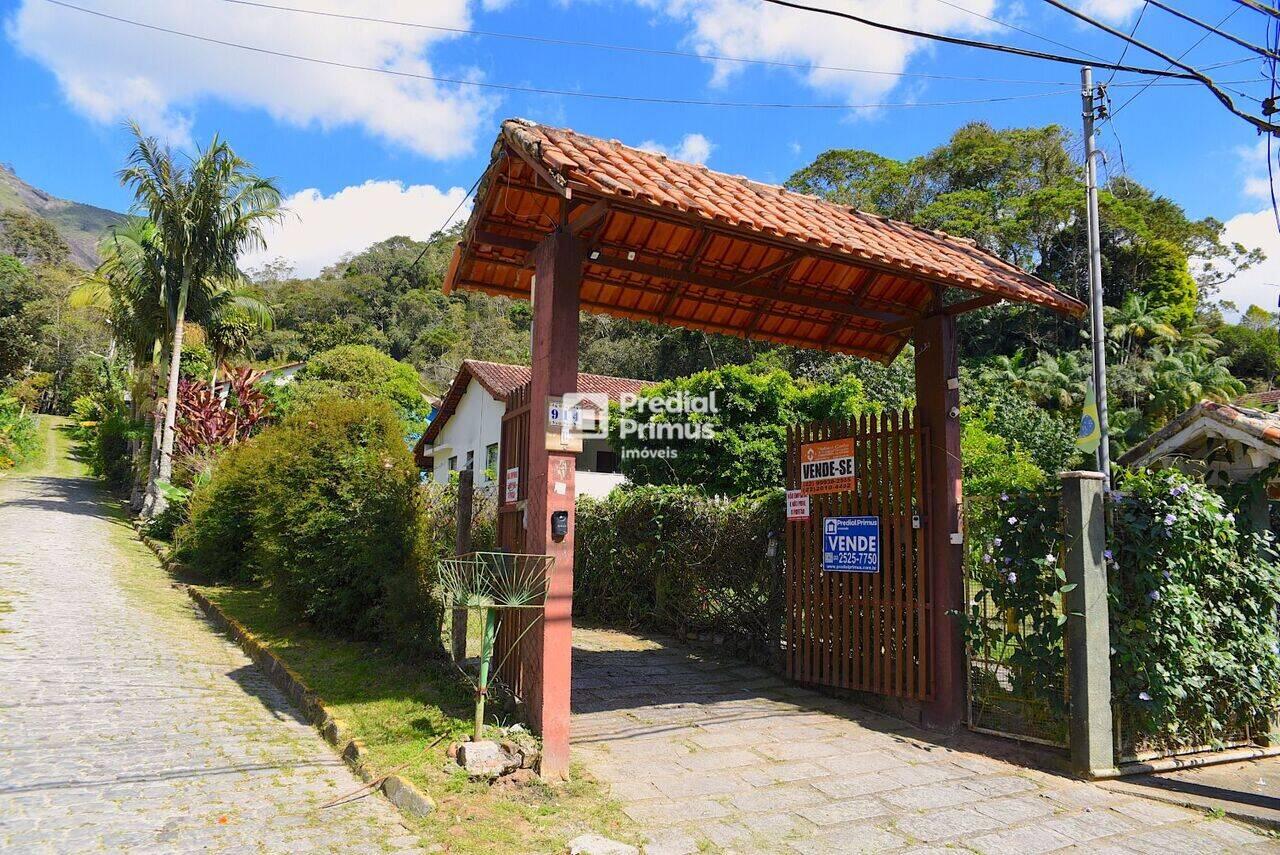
column 399, row 791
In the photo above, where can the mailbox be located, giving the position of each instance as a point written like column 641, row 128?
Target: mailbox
column 559, row 524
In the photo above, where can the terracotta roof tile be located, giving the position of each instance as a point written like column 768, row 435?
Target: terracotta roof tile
column 1262, row 425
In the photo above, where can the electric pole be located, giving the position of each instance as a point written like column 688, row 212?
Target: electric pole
column 1091, row 103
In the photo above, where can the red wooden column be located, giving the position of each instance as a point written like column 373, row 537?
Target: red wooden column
column 557, row 276
column 938, row 401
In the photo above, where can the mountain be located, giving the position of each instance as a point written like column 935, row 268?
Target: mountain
column 80, row 225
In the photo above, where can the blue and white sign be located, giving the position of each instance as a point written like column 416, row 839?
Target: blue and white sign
column 851, row 544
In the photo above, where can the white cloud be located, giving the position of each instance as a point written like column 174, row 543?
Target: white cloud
column 693, row 148
column 319, row 229
column 110, row 71
column 1260, row 285
column 751, row 30
column 1111, row 11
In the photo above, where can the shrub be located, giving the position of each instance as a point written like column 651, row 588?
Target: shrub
column 356, row 371
column 218, row 536
column 19, row 438
column 1193, row 613
column 325, row 506
column 671, row 558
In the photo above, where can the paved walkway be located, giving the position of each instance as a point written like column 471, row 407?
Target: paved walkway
column 711, row 754
column 126, row 723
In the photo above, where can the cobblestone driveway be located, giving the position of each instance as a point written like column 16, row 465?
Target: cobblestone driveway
column 713, row 754
column 126, row 723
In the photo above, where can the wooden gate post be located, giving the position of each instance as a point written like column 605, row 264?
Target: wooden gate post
column 461, row 546
column 938, row 402
column 557, row 277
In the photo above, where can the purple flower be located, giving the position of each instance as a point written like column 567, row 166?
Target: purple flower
column 1168, row 575
column 1013, row 520
column 998, row 541
column 1004, row 497
column 1275, row 647
column 1170, row 519
column 1153, row 596
column 1008, row 561
column 1108, row 555
column 986, row 559
column 1178, row 490
column 1051, row 559
column 1013, row 578
column 1143, row 696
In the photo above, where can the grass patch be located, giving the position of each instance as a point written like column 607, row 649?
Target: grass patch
column 398, row 709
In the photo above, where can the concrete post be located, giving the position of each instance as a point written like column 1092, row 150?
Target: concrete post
column 1088, row 624
column 461, row 546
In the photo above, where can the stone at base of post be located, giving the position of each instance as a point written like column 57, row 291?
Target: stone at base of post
column 1088, row 624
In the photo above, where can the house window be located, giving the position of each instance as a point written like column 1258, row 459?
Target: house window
column 606, row 461
column 453, row 463
column 491, row 461
column 471, row 460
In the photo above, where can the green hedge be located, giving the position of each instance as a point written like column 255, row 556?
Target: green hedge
column 672, row 559
column 19, row 438
column 325, row 507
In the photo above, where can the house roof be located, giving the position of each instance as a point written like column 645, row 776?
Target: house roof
column 680, row 244
column 1263, row 428
column 500, row 380
column 1269, row 397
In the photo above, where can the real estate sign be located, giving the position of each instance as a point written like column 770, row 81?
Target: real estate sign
column 851, row 544
column 827, row 467
column 511, row 491
column 797, row 505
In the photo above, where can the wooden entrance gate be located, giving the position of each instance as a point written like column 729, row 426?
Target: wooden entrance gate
column 518, row 668
column 867, row 631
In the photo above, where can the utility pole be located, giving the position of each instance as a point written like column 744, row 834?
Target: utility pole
column 1090, row 101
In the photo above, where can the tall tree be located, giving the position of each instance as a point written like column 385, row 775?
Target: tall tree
column 205, row 213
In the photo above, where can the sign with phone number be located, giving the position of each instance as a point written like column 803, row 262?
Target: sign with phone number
column 851, row 544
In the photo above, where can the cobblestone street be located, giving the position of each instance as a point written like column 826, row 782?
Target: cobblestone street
column 710, row 753
column 126, row 723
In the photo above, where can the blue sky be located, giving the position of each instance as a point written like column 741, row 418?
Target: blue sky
column 371, row 154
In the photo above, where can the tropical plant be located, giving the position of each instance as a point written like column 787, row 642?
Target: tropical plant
column 1136, row 324
column 1183, row 378
column 204, row 215
column 206, row 420
column 1058, row 380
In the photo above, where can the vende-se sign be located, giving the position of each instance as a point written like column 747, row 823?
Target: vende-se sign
column 827, row 467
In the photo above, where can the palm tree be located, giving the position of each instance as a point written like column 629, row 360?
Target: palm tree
column 1135, row 322
column 1183, row 378
column 233, row 319
column 205, row 214
column 1058, row 381
column 1009, row 371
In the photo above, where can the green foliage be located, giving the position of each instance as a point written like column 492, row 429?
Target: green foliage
column 1015, row 561
column 992, row 463
column 747, row 446
column 18, row 327
column 31, row 238
column 1167, row 281
column 325, row 506
column 1000, row 400
column 19, row 437
column 1193, row 621
column 33, row 390
column 671, row 558
column 1252, row 350
column 101, row 421
column 196, row 362
column 357, row 370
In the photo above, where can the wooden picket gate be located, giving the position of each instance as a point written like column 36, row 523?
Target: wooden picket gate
column 870, row 632
column 519, row 666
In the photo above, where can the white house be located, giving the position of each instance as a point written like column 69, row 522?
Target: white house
column 467, row 431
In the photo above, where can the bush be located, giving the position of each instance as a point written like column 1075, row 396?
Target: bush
column 361, row 371
column 326, row 507
column 671, row 558
column 19, row 438
column 1193, row 614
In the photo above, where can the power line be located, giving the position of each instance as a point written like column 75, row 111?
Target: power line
column 1211, row 28
column 1259, row 7
column 1194, row 45
column 569, row 93
column 1014, row 27
column 635, row 49
column 1132, row 30
column 992, row 46
column 1260, row 124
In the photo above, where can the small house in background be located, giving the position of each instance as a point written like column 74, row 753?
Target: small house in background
column 466, row 433
column 1227, row 443
column 280, row 375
